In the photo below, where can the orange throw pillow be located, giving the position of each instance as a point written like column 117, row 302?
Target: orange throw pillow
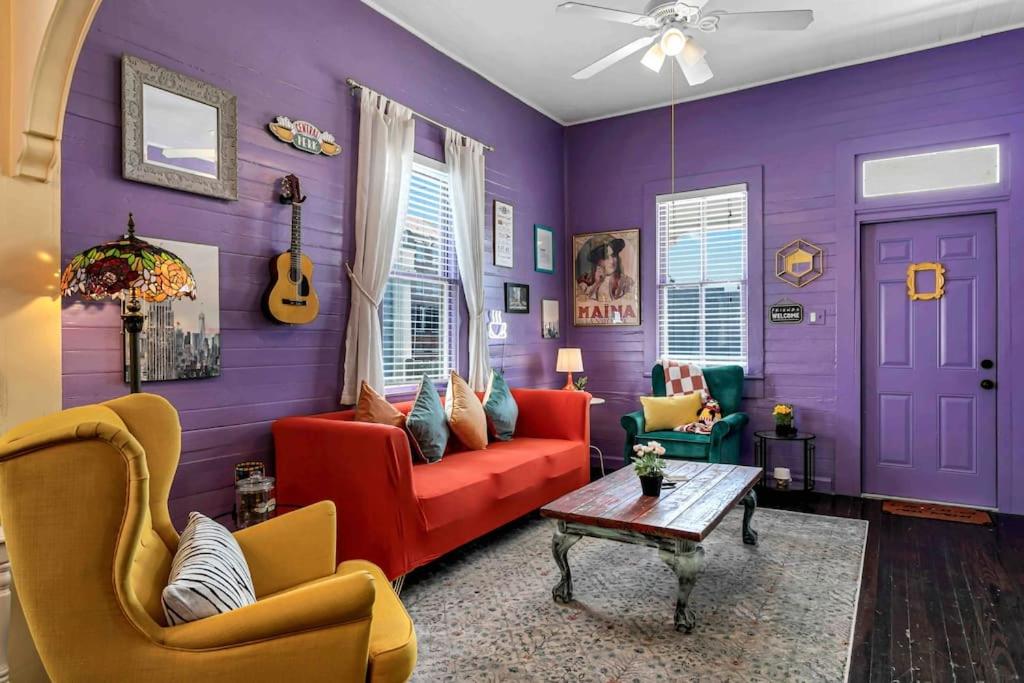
column 465, row 413
column 372, row 407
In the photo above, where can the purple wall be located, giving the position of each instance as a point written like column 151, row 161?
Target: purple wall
column 792, row 131
column 292, row 64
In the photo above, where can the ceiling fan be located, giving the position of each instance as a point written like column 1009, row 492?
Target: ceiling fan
column 670, row 26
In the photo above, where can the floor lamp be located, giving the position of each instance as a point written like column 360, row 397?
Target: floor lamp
column 131, row 270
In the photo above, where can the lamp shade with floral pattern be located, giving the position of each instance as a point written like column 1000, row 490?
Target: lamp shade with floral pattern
column 128, row 268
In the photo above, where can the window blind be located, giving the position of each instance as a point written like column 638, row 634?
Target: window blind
column 420, row 307
column 702, row 276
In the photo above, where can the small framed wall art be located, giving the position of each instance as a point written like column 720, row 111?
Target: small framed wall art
column 517, row 298
column 549, row 318
column 543, row 249
column 504, row 233
column 177, row 131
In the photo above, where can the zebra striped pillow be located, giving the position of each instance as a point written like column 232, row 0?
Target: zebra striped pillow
column 209, row 574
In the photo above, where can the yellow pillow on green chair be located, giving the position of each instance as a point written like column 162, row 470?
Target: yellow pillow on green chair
column 669, row 412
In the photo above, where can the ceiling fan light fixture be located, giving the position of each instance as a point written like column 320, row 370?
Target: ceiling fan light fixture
column 654, row 58
column 672, row 41
column 692, row 52
column 695, row 74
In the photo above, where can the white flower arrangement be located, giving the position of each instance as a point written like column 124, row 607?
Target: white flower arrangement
column 648, row 462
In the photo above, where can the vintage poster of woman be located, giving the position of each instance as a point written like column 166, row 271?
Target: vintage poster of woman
column 606, row 278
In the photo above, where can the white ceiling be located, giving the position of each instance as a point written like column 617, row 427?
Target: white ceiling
column 531, row 51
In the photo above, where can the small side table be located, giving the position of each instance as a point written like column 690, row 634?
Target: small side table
column 597, row 401
column 761, row 440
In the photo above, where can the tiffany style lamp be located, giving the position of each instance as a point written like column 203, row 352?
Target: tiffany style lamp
column 132, row 270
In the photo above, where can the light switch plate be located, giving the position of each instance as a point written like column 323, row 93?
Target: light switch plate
column 816, row 318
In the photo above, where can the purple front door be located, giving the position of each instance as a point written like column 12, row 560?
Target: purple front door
column 929, row 426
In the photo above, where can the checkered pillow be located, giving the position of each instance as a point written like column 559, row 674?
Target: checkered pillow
column 684, row 378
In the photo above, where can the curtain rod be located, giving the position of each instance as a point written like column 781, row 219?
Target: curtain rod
column 354, row 85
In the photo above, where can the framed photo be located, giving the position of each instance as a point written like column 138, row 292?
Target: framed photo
column 180, row 338
column 606, row 278
column 517, row 298
column 177, row 131
column 549, row 318
column 504, row 233
column 543, row 249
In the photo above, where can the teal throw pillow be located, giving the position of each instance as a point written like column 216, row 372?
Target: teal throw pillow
column 427, row 424
column 500, row 408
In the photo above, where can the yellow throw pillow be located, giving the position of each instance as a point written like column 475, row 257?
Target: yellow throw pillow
column 669, row 412
column 372, row 407
column 465, row 413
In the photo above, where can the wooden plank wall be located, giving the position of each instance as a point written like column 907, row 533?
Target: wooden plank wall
column 296, row 68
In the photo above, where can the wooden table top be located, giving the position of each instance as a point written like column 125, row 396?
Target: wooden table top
column 703, row 494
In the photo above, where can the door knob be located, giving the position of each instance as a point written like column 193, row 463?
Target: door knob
column 987, row 364
column 987, row 384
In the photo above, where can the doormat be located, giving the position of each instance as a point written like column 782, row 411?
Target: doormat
column 945, row 513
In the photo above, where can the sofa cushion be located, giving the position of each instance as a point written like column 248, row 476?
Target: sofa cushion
column 679, row 444
column 426, row 423
column 372, row 407
column 501, row 409
column 465, row 414
column 209, row 574
column 468, row 483
column 668, row 412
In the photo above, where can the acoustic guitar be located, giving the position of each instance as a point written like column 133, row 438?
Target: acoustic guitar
column 290, row 299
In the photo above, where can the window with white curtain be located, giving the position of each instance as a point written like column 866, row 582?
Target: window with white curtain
column 421, row 303
column 702, row 276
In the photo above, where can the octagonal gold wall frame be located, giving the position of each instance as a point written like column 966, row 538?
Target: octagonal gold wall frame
column 799, row 263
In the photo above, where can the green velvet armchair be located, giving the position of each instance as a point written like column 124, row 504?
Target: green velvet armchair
column 722, row 445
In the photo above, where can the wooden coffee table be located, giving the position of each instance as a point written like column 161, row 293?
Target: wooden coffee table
column 675, row 523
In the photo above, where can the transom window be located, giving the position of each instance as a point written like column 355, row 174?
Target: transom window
column 948, row 169
column 702, row 276
column 420, row 307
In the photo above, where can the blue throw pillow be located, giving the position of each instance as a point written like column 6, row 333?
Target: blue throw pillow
column 500, row 408
column 427, row 424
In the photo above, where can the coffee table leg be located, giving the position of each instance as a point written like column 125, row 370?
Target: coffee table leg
column 560, row 544
column 685, row 559
column 749, row 505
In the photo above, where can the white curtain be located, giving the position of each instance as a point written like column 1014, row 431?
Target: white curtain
column 386, row 134
column 465, row 159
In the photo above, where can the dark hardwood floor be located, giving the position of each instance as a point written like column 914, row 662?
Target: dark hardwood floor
column 940, row 601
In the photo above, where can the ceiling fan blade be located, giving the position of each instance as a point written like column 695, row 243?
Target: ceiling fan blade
column 696, row 73
column 620, row 54
column 607, row 14
column 787, row 20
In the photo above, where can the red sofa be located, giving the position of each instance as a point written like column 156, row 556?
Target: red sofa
column 400, row 513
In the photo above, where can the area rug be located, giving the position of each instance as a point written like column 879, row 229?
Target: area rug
column 945, row 513
column 781, row 611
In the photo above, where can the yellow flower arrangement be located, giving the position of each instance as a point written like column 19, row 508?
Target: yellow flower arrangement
column 783, row 414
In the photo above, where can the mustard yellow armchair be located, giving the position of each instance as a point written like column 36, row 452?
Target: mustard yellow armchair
column 83, row 501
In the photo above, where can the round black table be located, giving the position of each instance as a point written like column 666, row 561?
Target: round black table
column 761, row 440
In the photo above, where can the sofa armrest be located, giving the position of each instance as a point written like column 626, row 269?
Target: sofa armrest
column 292, row 549
column 633, row 423
column 553, row 414
column 730, row 424
column 323, row 604
column 366, row 470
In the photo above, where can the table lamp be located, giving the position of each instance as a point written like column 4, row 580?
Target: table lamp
column 570, row 361
column 132, row 270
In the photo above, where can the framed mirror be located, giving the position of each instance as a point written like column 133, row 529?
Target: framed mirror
column 178, row 131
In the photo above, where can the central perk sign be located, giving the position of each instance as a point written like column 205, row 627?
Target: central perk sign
column 305, row 136
column 786, row 312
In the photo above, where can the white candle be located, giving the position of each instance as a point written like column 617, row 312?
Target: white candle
column 782, row 473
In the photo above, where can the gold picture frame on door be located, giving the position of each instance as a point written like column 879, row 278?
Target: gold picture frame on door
column 940, row 281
